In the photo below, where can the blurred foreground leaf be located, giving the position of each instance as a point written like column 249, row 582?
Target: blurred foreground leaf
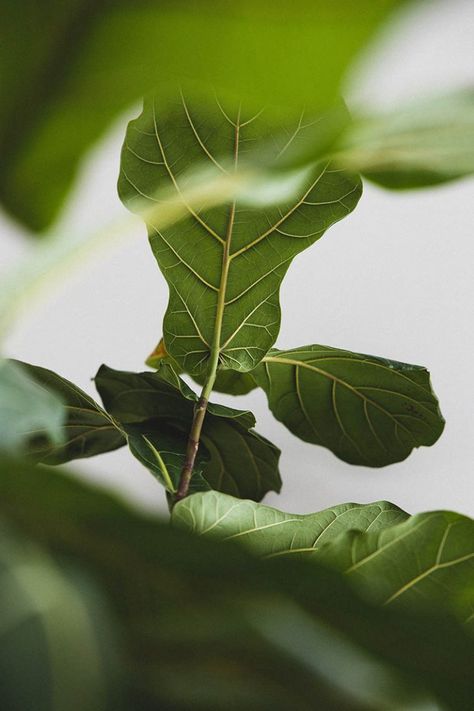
column 66, row 73
column 207, row 626
column 417, row 145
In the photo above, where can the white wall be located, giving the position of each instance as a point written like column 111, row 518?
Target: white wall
column 393, row 279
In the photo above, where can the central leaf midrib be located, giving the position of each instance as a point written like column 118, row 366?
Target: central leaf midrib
column 221, row 296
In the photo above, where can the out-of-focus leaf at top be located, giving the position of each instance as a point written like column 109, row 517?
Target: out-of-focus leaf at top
column 224, row 265
column 27, row 409
column 414, row 146
column 67, row 69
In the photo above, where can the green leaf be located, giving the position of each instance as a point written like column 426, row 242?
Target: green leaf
column 63, row 61
column 27, row 409
column 269, row 532
column 295, row 635
column 224, row 265
column 59, row 648
column 233, row 457
column 427, row 560
column 422, row 144
column 366, row 410
column 87, row 430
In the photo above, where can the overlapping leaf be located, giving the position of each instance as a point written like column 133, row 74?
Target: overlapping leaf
column 427, row 560
column 88, row 430
column 269, row 532
column 366, row 410
column 291, row 643
column 224, row 266
column 160, row 406
column 27, row 408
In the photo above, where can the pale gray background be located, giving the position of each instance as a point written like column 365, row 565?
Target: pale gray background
column 393, row 279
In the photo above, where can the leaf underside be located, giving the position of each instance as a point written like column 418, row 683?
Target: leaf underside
column 224, row 265
column 368, row 411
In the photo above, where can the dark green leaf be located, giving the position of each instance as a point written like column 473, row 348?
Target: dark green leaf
column 269, row 532
column 426, row 143
column 27, row 409
column 207, row 627
column 367, row 410
column 234, row 458
column 88, row 430
column 65, row 74
column 58, row 645
column 224, row 265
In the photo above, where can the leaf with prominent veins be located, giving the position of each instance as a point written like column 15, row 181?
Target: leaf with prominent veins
column 366, row 410
column 269, row 532
column 427, row 560
column 224, row 265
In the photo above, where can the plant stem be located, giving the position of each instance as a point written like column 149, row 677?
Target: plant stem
column 201, row 405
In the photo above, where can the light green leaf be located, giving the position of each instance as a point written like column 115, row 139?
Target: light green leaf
column 427, row 560
column 27, row 409
column 233, row 458
column 224, row 265
column 65, row 74
column 269, row 532
column 418, row 145
column 87, row 430
column 366, row 410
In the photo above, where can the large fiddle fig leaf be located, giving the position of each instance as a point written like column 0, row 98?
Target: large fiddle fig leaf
column 366, row 410
column 295, row 633
column 233, row 458
column 27, row 408
column 426, row 560
column 87, row 430
column 224, row 265
column 65, row 74
column 426, row 143
column 269, row 532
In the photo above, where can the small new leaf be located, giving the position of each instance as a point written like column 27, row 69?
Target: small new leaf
column 366, row 410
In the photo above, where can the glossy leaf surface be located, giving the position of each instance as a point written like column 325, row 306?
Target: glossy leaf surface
column 366, row 410
column 224, row 265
